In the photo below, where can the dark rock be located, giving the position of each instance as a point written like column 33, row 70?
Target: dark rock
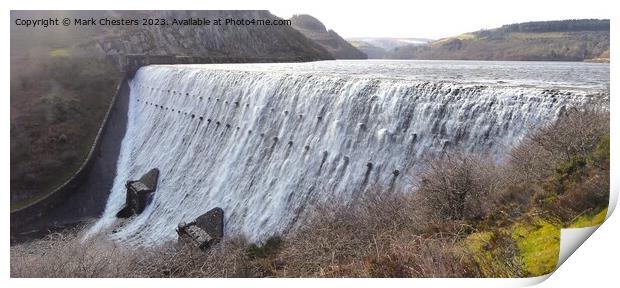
column 212, row 222
column 138, row 193
column 205, row 231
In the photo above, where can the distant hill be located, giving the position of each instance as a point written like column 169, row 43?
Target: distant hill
column 328, row 39
column 377, row 47
column 566, row 40
column 372, row 51
column 389, row 43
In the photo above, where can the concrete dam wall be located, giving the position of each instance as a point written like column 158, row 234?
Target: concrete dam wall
column 269, row 145
column 84, row 194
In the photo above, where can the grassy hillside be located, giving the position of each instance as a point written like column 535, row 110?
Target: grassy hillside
column 328, row 39
column 568, row 40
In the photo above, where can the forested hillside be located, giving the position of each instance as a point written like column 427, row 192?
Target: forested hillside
column 567, row 40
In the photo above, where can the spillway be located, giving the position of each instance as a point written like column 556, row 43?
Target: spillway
column 268, row 145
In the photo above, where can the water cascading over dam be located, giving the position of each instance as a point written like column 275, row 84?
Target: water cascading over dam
column 269, row 146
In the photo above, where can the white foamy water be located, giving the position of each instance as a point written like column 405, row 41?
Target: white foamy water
column 267, row 142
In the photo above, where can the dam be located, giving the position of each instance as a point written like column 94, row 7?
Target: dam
column 269, row 142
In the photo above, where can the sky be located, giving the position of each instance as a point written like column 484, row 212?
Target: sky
column 435, row 19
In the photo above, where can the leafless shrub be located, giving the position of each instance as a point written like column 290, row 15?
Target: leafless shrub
column 64, row 255
column 418, row 256
column 380, row 236
column 576, row 133
column 226, row 259
column 513, row 200
column 458, row 187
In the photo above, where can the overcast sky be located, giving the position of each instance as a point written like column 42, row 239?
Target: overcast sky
column 436, row 18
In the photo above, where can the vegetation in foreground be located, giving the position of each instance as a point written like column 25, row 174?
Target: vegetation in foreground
column 469, row 217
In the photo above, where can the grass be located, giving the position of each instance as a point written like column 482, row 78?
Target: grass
column 538, row 245
column 467, row 36
column 537, row 242
column 479, row 245
column 543, row 35
column 359, row 44
column 589, row 220
column 61, row 52
column 462, row 37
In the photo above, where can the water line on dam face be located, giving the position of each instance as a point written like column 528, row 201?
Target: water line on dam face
column 275, row 144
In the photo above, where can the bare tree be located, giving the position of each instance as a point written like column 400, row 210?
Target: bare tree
column 458, row 187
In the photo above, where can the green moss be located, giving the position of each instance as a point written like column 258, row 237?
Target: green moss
column 538, row 245
column 478, row 245
column 477, row 241
column 589, row 220
column 491, row 253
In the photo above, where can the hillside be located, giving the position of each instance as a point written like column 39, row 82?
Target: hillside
column 372, row 51
column 195, row 40
column 62, row 79
column 328, row 39
column 567, row 40
column 377, row 47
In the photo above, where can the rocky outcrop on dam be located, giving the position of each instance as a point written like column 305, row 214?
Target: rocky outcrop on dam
column 138, row 194
column 205, row 231
column 328, row 39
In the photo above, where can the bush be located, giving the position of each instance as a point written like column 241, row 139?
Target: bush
column 64, row 255
column 377, row 236
column 458, row 187
column 576, row 133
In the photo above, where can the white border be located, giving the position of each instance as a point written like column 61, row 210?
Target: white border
column 594, row 263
